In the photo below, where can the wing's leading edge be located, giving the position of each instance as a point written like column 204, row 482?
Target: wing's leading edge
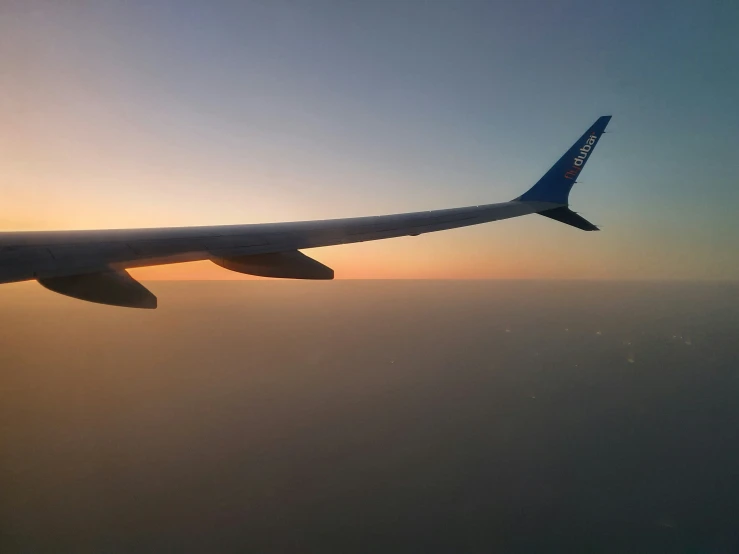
column 90, row 265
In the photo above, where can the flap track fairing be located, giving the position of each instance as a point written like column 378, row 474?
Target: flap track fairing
column 115, row 288
column 286, row 265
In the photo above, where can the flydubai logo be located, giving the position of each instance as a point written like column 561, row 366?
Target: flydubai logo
column 580, row 158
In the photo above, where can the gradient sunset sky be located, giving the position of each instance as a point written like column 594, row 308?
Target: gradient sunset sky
column 152, row 114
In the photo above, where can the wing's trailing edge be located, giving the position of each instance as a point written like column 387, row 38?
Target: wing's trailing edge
column 91, row 265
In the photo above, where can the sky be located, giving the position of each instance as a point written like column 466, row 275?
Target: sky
column 152, row 114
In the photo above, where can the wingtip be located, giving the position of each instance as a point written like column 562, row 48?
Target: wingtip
column 602, row 123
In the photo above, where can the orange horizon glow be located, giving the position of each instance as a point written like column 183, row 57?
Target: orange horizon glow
column 442, row 257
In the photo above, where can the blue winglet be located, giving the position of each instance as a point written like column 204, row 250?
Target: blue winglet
column 556, row 183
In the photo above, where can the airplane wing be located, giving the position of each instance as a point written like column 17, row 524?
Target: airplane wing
column 91, row 265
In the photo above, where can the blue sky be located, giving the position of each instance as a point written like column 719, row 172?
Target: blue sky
column 125, row 114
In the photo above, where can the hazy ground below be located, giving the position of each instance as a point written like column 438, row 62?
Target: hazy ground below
column 372, row 416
